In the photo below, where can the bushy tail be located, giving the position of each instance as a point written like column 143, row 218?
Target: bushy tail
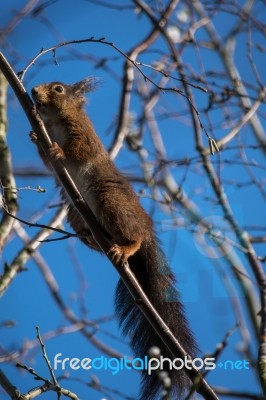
column 154, row 275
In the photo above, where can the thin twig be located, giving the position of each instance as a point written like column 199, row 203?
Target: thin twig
column 44, row 354
column 46, row 387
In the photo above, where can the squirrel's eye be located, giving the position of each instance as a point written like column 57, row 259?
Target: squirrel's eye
column 59, row 89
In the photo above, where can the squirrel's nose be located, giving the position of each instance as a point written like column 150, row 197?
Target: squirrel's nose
column 34, row 90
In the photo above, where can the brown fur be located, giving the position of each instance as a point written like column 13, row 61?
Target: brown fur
column 118, row 211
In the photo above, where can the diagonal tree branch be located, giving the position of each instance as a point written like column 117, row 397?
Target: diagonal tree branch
column 123, row 269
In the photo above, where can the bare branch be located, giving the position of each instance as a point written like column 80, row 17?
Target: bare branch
column 6, row 173
column 18, row 264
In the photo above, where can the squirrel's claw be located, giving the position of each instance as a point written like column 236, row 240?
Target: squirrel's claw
column 120, row 254
column 117, row 254
column 55, row 152
column 33, row 136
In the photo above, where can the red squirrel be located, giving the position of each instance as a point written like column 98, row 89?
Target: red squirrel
column 118, row 211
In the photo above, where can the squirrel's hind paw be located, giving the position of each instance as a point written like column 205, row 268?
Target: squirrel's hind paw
column 120, row 254
column 117, row 255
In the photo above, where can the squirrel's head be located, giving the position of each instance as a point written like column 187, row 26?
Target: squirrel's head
column 58, row 97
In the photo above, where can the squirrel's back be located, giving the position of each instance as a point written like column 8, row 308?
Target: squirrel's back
column 118, row 211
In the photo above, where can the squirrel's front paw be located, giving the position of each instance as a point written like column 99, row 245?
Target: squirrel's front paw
column 55, row 152
column 33, row 136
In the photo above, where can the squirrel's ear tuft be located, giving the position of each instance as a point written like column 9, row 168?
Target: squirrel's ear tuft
column 87, row 85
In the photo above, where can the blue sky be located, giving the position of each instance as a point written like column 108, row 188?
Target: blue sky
column 28, row 301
